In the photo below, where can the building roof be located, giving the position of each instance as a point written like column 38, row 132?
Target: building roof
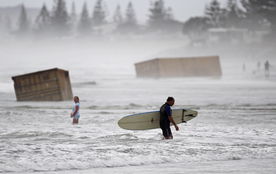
column 166, row 58
column 37, row 72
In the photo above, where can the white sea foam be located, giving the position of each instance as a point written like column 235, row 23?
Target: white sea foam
column 236, row 120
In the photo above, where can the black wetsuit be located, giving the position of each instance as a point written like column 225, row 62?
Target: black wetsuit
column 165, row 112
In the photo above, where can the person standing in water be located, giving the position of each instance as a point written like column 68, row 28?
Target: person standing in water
column 243, row 67
column 267, row 66
column 166, row 118
column 259, row 66
column 75, row 114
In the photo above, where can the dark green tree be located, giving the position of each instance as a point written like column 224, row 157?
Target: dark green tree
column 196, row 25
column 84, row 26
column 130, row 22
column 43, row 21
column 268, row 10
column 214, row 13
column 23, row 23
column 7, row 23
column 161, row 19
column 118, row 18
column 169, row 14
column 60, row 18
column 257, row 11
column 73, row 15
column 99, row 14
column 157, row 15
column 130, row 18
column 196, row 28
column 233, row 14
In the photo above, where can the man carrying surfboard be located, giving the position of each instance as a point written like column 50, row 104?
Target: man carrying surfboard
column 166, row 118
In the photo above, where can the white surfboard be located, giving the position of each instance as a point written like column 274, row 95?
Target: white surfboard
column 150, row 120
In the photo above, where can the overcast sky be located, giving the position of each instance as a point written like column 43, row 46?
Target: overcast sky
column 182, row 9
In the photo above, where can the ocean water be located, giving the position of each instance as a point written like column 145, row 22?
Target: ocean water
column 234, row 132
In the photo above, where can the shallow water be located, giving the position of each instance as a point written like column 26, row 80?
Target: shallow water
column 38, row 136
column 235, row 127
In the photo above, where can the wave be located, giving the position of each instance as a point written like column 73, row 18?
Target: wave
column 84, row 84
column 132, row 106
column 235, row 158
column 117, row 107
column 34, row 134
column 116, row 150
column 41, row 106
column 269, row 106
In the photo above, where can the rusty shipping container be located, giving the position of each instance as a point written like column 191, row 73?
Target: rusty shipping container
column 208, row 66
column 48, row 85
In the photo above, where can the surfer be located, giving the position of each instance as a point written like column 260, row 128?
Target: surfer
column 75, row 114
column 166, row 118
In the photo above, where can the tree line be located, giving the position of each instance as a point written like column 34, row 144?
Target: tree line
column 59, row 22
column 252, row 15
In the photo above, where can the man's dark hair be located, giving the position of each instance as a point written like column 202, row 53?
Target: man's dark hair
column 170, row 99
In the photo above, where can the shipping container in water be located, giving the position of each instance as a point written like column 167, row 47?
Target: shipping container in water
column 208, row 66
column 47, row 85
